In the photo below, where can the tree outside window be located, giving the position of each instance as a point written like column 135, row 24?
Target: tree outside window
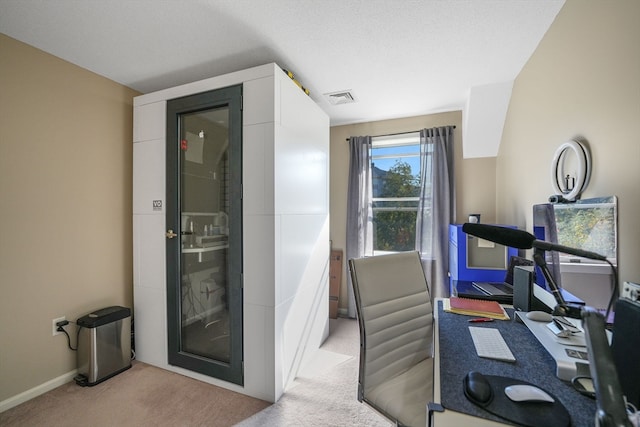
column 588, row 224
column 396, row 188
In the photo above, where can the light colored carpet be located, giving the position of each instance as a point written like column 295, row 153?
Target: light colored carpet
column 323, row 395
column 321, row 363
column 328, row 395
column 141, row 396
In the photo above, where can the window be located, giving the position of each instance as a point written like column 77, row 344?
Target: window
column 395, row 171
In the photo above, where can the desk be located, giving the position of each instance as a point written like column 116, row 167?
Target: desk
column 533, row 364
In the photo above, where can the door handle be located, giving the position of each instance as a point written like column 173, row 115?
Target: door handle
column 170, row 234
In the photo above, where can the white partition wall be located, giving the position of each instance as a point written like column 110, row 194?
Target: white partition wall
column 285, row 227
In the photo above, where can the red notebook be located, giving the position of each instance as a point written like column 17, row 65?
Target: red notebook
column 469, row 304
column 475, row 307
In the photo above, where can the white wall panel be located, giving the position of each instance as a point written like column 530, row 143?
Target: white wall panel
column 301, row 329
column 149, row 121
column 259, row 259
column 258, row 101
column 278, row 264
column 149, row 168
column 150, row 325
column 149, row 245
column 302, row 236
column 299, row 112
column 285, row 329
column 301, row 162
column 302, row 309
column 258, row 169
column 259, row 367
column 301, row 152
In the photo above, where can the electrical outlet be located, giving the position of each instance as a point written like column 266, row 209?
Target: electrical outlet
column 55, row 327
column 631, row 291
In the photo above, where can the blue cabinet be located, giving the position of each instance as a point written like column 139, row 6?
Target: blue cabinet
column 474, row 259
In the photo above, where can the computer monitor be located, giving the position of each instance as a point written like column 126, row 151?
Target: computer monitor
column 589, row 224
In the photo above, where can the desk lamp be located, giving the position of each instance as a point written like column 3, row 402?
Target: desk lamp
column 611, row 410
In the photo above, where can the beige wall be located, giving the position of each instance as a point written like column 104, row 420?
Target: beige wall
column 65, row 204
column 475, row 177
column 583, row 79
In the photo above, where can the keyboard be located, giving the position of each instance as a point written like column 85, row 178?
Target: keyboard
column 489, row 343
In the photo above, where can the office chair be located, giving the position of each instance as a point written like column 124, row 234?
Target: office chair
column 395, row 317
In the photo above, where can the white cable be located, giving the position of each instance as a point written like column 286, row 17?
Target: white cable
column 584, row 168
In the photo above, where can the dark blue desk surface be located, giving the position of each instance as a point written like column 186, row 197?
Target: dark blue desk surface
column 533, row 364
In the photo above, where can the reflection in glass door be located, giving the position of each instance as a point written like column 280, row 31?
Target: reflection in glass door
column 204, row 233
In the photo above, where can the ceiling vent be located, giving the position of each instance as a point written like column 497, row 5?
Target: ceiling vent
column 341, row 97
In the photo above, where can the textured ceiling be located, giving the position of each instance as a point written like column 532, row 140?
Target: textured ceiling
column 399, row 58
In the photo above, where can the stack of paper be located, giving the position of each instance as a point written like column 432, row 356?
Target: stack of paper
column 476, row 308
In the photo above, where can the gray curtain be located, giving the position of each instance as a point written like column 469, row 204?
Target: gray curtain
column 359, row 209
column 436, row 207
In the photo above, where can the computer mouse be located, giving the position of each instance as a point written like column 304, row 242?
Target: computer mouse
column 539, row 316
column 527, row 393
column 477, row 388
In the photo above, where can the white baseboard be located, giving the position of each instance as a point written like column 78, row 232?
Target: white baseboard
column 37, row 391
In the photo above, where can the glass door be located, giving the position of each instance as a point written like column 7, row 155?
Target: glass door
column 204, row 233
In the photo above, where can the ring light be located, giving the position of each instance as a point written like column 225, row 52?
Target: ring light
column 584, row 168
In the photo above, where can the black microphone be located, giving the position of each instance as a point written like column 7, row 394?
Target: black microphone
column 522, row 240
column 502, row 235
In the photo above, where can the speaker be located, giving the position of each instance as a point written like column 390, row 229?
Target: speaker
column 625, row 348
column 523, row 283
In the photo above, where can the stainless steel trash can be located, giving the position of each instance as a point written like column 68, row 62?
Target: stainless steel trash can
column 104, row 344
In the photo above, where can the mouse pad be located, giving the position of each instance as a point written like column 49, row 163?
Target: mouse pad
column 530, row 414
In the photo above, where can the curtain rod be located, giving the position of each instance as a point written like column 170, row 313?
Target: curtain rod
column 398, row 133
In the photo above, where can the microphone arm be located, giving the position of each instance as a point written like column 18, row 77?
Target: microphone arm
column 562, row 308
column 548, row 246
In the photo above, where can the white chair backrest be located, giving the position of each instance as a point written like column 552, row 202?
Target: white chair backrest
column 395, row 315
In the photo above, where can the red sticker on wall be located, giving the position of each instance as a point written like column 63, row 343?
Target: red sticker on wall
column 183, row 145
